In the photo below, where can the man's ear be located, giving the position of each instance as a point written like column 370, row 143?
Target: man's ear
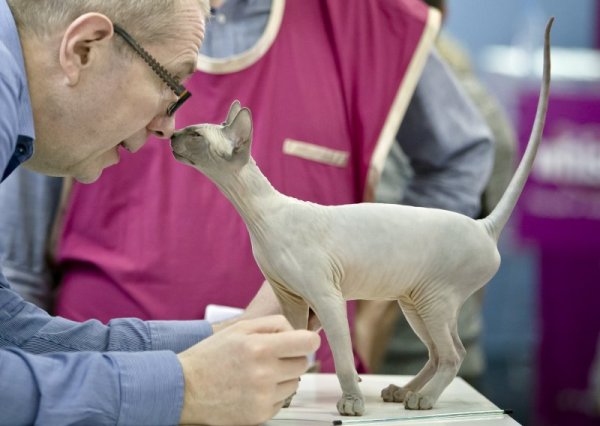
column 239, row 131
column 80, row 41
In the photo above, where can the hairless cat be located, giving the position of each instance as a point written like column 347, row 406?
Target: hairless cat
column 317, row 257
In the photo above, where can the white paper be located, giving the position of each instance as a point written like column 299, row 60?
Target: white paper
column 216, row 313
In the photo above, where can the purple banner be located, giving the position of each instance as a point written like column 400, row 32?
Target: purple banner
column 561, row 201
column 560, row 211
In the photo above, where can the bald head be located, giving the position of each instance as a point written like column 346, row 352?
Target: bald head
column 149, row 20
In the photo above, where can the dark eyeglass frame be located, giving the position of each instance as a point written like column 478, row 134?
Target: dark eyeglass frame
column 180, row 91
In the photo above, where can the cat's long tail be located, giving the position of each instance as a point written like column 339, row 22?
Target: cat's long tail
column 496, row 220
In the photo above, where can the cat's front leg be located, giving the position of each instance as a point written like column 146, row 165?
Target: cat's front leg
column 331, row 310
column 295, row 309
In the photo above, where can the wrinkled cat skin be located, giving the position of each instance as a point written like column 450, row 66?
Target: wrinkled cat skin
column 318, row 257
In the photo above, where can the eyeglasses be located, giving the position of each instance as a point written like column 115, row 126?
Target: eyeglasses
column 180, row 91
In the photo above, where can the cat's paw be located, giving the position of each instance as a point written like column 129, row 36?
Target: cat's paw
column 351, row 405
column 288, row 400
column 416, row 401
column 394, row 393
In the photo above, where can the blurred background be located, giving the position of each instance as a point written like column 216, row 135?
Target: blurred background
column 542, row 310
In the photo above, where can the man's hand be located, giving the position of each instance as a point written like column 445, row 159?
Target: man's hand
column 243, row 374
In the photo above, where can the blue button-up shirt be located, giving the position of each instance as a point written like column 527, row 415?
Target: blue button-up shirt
column 16, row 117
column 54, row 371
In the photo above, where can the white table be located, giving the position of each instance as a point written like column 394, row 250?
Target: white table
column 315, row 404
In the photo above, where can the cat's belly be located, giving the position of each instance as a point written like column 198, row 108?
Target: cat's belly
column 377, row 285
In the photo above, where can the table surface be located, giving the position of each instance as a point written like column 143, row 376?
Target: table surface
column 315, row 404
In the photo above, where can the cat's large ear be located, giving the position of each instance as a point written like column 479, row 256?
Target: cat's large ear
column 239, row 132
column 233, row 111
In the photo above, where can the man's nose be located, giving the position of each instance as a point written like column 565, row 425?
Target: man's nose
column 162, row 126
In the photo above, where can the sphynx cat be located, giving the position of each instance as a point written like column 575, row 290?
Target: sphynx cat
column 317, row 257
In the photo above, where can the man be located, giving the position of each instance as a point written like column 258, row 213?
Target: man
column 74, row 86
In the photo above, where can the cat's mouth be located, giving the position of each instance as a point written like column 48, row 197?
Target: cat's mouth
column 183, row 159
column 178, row 150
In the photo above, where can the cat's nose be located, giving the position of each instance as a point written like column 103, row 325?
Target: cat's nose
column 176, row 134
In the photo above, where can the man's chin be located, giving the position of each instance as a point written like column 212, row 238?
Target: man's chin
column 82, row 172
column 43, row 169
column 92, row 171
column 88, row 176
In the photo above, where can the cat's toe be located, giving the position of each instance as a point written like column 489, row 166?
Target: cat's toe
column 351, row 405
column 416, row 401
column 394, row 393
column 288, row 400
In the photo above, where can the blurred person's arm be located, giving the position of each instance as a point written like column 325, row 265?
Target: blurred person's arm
column 448, row 144
column 28, row 203
column 505, row 140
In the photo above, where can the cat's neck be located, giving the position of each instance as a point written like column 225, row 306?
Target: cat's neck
column 251, row 193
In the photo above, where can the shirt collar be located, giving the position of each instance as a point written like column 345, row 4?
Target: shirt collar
column 10, row 37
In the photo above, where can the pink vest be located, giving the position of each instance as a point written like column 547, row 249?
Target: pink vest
column 155, row 239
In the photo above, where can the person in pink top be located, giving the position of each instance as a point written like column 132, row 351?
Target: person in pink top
column 157, row 240
column 328, row 84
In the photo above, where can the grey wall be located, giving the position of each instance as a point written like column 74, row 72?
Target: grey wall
column 478, row 23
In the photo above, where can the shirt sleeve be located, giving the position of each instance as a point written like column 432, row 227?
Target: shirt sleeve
column 447, row 142
column 30, row 328
column 90, row 388
column 69, row 383
column 9, row 108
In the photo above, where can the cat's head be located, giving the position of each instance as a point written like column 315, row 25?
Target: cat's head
column 216, row 149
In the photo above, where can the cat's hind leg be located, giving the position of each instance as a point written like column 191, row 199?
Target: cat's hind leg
column 394, row 393
column 439, row 318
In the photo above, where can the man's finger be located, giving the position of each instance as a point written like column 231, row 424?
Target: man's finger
column 291, row 368
column 293, row 343
column 268, row 324
column 286, row 389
